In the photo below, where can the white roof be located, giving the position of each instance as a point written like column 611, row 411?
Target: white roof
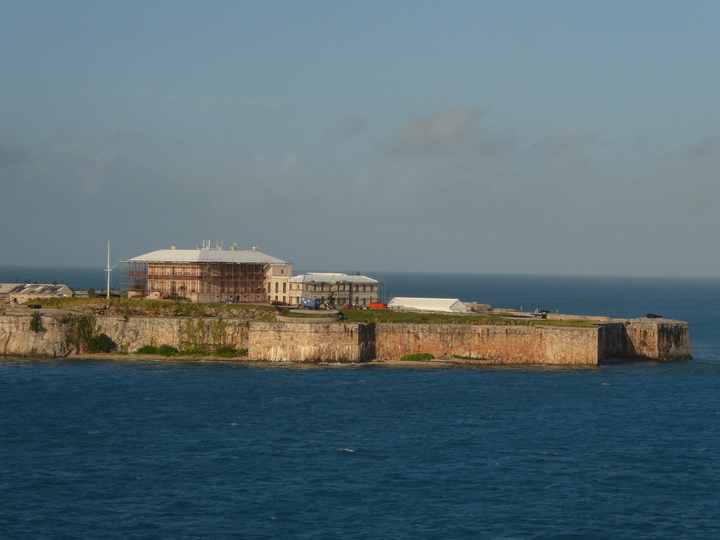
column 207, row 255
column 428, row 304
column 328, row 277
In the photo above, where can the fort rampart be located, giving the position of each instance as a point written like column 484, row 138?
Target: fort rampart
column 658, row 339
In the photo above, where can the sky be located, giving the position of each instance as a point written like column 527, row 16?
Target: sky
column 521, row 137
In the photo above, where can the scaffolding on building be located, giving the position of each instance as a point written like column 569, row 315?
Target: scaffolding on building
column 198, row 281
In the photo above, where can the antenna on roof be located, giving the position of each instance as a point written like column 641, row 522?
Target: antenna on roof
column 108, row 270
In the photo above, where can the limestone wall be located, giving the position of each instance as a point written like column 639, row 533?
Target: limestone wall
column 495, row 344
column 612, row 342
column 658, row 339
column 357, row 342
column 180, row 332
column 310, row 342
column 16, row 338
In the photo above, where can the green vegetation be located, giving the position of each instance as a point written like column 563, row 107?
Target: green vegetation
column 36, row 324
column 139, row 307
column 417, row 357
column 81, row 329
column 162, row 350
column 389, row 316
column 167, row 350
column 228, row 352
column 82, row 335
column 127, row 307
column 199, row 335
column 101, row 344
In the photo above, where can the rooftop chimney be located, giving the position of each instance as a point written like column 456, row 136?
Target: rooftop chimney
column 255, row 248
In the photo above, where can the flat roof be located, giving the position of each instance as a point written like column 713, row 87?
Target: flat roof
column 207, row 255
column 330, row 277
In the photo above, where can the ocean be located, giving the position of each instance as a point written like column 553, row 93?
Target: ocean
column 153, row 449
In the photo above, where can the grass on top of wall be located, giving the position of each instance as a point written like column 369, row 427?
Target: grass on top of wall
column 139, row 307
column 413, row 317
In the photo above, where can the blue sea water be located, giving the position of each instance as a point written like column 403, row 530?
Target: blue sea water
column 140, row 449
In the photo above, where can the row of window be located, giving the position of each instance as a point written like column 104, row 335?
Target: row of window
column 333, row 287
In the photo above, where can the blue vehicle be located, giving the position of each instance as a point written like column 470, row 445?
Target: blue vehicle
column 310, row 303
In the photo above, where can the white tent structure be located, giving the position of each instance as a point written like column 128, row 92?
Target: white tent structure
column 446, row 305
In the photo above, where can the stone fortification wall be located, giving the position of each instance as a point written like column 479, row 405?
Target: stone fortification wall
column 357, row 342
column 495, row 344
column 657, row 339
column 310, row 342
column 354, row 342
column 17, row 339
column 180, row 332
column 612, row 342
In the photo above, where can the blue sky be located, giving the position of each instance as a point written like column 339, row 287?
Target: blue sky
column 556, row 137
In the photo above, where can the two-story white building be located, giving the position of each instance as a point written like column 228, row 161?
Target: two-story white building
column 334, row 288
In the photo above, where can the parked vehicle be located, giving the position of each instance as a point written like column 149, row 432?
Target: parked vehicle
column 310, row 303
column 377, row 305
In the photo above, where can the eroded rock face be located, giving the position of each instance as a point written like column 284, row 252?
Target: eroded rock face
column 17, row 339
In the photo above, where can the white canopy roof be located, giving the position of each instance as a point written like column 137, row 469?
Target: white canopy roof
column 452, row 305
column 327, row 277
column 207, row 255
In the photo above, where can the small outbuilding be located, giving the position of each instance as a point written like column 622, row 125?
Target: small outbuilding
column 445, row 305
column 17, row 293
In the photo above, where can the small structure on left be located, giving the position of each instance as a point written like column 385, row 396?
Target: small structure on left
column 17, row 293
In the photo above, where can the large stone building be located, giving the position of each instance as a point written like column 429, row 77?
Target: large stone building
column 338, row 289
column 209, row 274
